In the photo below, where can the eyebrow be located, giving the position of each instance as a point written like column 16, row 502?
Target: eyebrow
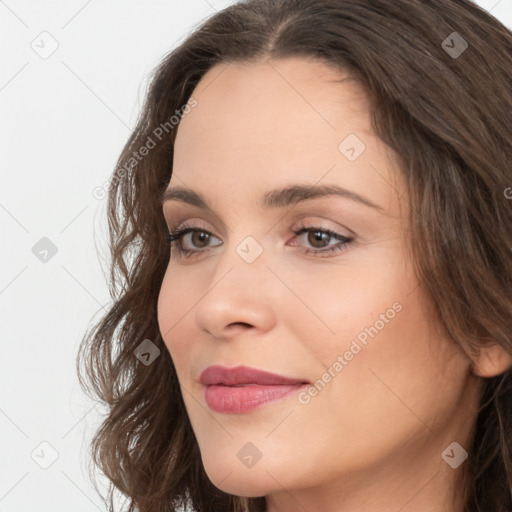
column 279, row 198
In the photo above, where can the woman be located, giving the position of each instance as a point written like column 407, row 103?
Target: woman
column 330, row 330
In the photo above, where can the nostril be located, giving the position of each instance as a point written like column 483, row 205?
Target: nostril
column 242, row 323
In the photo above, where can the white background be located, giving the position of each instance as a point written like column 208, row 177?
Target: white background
column 64, row 121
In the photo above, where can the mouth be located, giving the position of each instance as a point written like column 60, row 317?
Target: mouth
column 244, row 375
column 241, row 389
column 245, row 398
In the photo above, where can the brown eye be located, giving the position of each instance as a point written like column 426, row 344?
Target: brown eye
column 200, row 238
column 318, row 238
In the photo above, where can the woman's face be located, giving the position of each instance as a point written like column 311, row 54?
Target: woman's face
column 387, row 389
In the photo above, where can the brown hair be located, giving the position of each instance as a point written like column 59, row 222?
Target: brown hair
column 448, row 118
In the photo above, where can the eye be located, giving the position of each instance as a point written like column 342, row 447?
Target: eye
column 317, row 237
column 199, row 238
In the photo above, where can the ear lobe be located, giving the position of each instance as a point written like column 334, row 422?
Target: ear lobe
column 492, row 360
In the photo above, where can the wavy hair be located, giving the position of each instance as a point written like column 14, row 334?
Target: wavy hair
column 446, row 114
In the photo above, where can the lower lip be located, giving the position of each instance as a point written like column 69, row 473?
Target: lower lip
column 241, row 399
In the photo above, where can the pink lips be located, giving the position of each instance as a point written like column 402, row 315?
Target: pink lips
column 242, row 389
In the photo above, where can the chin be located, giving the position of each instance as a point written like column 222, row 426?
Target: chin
column 247, row 482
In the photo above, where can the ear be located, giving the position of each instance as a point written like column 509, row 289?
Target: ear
column 491, row 360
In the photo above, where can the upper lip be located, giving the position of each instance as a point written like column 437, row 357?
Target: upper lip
column 244, row 375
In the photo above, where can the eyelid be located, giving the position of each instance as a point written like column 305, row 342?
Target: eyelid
column 314, row 221
column 178, row 225
column 177, row 215
column 175, row 223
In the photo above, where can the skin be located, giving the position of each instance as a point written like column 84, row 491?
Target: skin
column 371, row 440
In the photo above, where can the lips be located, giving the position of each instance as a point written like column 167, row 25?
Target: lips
column 240, row 390
column 243, row 375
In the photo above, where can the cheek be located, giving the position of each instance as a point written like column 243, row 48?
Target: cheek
column 373, row 352
column 385, row 366
column 356, row 302
column 383, row 402
column 173, row 303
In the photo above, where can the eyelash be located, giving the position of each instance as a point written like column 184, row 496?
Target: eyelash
column 176, row 237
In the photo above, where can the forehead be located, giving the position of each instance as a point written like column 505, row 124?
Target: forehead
column 274, row 103
column 266, row 123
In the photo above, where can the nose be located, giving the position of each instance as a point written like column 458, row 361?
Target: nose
column 239, row 299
